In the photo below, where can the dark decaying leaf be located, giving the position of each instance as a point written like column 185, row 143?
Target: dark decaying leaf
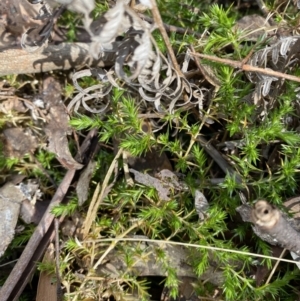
column 12, row 104
column 32, row 22
column 57, row 126
column 18, row 142
column 19, row 15
column 152, row 161
column 165, row 182
column 186, row 291
column 33, row 213
column 82, row 188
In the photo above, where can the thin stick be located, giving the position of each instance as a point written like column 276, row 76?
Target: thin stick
column 275, row 267
column 53, row 57
column 192, row 246
column 160, row 24
column 247, row 68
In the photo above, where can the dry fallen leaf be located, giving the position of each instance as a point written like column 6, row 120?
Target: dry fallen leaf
column 84, row 181
column 201, row 204
column 255, row 25
column 57, row 126
column 12, row 104
column 18, row 142
column 115, row 265
column 10, row 202
column 168, row 181
column 21, row 18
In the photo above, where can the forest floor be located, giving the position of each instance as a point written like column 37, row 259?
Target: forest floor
column 135, row 140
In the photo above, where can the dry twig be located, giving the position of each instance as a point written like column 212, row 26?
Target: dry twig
column 159, row 22
column 248, row 68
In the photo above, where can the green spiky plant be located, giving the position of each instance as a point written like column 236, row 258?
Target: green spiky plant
column 177, row 218
column 139, row 208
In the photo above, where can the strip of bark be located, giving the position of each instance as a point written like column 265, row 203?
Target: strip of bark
column 53, row 57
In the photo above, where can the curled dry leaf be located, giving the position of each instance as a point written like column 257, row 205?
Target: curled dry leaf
column 138, row 62
column 277, row 57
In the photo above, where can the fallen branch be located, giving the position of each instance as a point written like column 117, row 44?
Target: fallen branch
column 54, row 57
column 271, row 225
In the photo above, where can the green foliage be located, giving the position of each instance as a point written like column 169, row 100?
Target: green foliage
column 21, row 238
column 139, row 208
column 100, row 9
column 65, row 209
column 217, row 18
column 176, row 218
column 45, row 158
column 137, row 211
column 70, row 21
